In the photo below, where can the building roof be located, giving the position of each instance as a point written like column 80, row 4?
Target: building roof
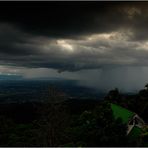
column 135, row 132
column 120, row 112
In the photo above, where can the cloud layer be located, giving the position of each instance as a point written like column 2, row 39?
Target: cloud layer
column 98, row 50
column 75, row 38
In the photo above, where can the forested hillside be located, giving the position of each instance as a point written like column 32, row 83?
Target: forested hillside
column 73, row 122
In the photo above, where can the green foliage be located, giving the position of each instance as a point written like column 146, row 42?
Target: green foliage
column 54, row 119
column 113, row 95
column 56, row 126
column 12, row 134
column 144, row 137
column 97, row 128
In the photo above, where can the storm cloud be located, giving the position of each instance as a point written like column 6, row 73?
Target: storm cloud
column 72, row 37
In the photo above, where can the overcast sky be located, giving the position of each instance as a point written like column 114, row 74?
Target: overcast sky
column 102, row 44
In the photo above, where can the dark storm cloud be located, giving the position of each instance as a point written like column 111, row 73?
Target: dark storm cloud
column 74, row 35
column 74, row 19
column 102, row 44
column 64, row 19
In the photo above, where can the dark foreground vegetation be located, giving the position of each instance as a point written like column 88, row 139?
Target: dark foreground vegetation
column 74, row 122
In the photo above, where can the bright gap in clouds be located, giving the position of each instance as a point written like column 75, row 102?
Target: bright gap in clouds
column 65, row 45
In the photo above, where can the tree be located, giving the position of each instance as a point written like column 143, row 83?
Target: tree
column 53, row 120
column 146, row 86
column 98, row 128
column 113, row 95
